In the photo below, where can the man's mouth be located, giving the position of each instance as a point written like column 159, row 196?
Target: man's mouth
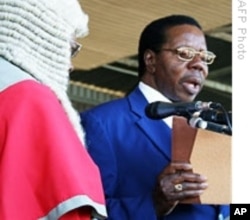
column 192, row 86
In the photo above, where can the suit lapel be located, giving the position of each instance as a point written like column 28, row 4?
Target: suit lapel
column 156, row 130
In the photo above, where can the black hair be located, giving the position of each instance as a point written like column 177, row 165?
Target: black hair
column 153, row 36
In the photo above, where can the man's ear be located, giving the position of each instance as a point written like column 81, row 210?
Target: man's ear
column 149, row 59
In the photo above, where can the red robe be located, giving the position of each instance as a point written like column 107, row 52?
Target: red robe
column 44, row 170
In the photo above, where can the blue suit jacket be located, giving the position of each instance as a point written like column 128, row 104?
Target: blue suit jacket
column 131, row 150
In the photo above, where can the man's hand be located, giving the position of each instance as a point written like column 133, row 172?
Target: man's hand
column 177, row 182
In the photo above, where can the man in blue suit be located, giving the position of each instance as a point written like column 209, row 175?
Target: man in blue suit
column 133, row 151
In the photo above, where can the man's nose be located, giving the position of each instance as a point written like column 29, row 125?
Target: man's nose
column 197, row 64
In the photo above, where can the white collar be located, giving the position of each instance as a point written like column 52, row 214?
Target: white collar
column 152, row 95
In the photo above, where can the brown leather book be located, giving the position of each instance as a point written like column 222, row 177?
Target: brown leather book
column 210, row 154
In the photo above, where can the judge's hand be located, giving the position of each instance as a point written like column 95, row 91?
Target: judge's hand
column 177, row 182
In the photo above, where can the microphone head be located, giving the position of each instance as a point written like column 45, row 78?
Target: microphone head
column 152, row 110
column 160, row 110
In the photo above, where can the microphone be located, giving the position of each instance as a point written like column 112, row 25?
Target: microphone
column 159, row 110
column 216, row 116
column 197, row 122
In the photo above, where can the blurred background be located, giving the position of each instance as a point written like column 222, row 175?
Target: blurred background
column 106, row 67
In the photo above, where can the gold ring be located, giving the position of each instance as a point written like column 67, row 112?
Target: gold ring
column 178, row 187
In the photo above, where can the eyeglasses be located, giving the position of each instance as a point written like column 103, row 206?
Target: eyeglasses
column 75, row 48
column 188, row 53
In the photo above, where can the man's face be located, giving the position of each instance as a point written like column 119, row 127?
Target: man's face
column 176, row 79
